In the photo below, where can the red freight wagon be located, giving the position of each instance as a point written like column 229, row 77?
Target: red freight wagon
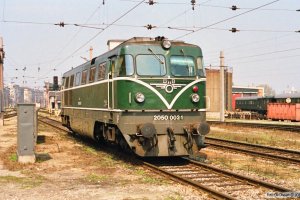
column 284, row 111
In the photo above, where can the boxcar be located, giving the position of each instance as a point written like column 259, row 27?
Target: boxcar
column 284, row 111
column 147, row 95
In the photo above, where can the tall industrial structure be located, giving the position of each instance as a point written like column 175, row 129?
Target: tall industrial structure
column 1, row 82
column 213, row 90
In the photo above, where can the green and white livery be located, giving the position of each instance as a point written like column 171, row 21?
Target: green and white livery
column 147, row 95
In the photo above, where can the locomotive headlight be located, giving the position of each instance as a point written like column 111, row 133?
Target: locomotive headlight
column 166, row 44
column 195, row 98
column 139, row 97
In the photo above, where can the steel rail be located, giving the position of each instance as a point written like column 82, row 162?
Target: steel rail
column 216, row 194
column 211, row 191
column 272, row 153
column 287, row 127
column 7, row 116
column 244, row 178
column 59, row 127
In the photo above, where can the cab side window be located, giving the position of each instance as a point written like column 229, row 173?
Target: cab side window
column 77, row 79
column 83, row 77
column 72, row 81
column 101, row 71
column 92, row 74
column 67, row 82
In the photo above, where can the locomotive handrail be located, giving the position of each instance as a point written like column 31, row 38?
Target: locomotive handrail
column 108, row 89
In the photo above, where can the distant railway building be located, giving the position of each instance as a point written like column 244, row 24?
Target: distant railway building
column 53, row 96
column 6, row 97
column 245, row 91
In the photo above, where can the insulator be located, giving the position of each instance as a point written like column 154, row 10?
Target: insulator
column 193, row 2
column 234, row 7
column 151, row 2
column 234, row 30
column 61, row 24
column 149, row 26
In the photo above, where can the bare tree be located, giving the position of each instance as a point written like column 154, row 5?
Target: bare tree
column 268, row 89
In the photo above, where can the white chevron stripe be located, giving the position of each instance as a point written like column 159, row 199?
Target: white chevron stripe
column 169, row 106
column 147, row 86
column 184, row 89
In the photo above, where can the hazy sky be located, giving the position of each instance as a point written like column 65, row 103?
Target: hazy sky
column 266, row 50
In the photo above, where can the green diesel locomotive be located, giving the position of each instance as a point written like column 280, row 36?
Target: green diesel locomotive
column 146, row 95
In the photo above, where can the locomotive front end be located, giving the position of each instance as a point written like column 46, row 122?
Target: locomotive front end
column 162, row 99
column 146, row 95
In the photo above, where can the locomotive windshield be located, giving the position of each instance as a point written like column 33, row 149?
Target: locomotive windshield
column 150, row 65
column 182, row 66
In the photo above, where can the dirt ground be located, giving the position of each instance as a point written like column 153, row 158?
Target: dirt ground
column 66, row 168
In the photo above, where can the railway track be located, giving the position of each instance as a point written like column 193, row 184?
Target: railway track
column 53, row 123
column 218, row 183
column 10, row 113
column 285, row 155
column 293, row 128
column 13, row 112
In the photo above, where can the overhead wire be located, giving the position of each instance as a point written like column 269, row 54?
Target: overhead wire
column 192, row 29
column 73, row 37
column 111, row 24
column 233, row 7
column 180, row 14
column 261, row 54
column 28, row 22
column 61, row 24
column 229, row 18
column 262, row 60
column 98, row 33
column 250, row 43
column 266, row 53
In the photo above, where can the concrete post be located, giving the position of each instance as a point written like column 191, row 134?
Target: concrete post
column 1, row 83
column 222, row 88
column 26, row 133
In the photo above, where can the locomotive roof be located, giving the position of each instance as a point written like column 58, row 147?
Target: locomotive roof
column 134, row 40
column 149, row 40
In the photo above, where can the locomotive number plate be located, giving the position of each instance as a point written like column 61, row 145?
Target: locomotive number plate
column 167, row 117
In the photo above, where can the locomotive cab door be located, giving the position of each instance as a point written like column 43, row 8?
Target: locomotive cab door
column 110, row 90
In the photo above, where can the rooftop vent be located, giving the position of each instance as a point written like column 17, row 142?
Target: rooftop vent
column 113, row 43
